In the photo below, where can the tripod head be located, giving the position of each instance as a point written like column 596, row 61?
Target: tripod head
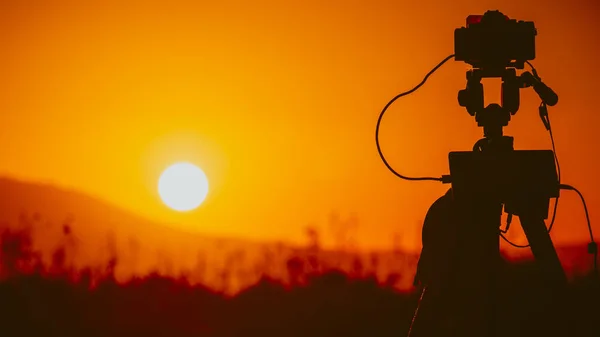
column 494, row 117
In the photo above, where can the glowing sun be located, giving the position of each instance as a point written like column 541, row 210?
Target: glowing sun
column 183, row 186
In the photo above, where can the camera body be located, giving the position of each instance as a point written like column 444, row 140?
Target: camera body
column 493, row 40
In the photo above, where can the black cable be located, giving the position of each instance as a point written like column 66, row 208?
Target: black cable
column 593, row 246
column 547, row 117
column 383, row 112
column 516, row 245
column 533, row 70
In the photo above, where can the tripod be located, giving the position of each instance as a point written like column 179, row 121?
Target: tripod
column 485, row 181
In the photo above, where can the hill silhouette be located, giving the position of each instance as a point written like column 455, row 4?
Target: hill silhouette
column 49, row 203
column 102, row 229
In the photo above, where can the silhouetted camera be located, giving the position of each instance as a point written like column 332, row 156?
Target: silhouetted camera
column 493, row 40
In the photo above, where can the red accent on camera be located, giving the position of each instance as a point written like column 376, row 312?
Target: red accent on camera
column 473, row 19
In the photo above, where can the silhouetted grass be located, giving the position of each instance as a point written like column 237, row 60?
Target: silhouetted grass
column 40, row 298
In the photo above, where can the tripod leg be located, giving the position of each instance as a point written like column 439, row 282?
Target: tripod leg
column 416, row 314
column 543, row 250
column 480, row 256
column 555, row 296
column 434, row 269
column 431, row 318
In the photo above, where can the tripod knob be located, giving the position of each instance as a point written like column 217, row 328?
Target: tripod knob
column 463, row 98
column 471, row 98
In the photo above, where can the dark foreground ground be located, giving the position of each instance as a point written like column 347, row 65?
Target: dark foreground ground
column 38, row 301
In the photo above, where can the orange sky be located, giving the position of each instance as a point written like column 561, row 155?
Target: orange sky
column 277, row 102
